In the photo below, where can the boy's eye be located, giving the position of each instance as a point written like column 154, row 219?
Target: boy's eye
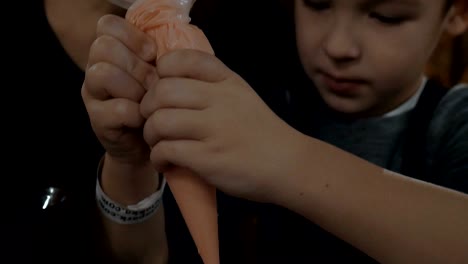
column 390, row 20
column 317, row 5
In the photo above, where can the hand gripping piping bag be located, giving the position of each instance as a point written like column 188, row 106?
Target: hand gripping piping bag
column 167, row 22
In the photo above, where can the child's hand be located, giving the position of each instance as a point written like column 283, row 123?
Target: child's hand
column 203, row 116
column 117, row 77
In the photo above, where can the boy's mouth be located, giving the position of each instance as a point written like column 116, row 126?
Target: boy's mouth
column 341, row 85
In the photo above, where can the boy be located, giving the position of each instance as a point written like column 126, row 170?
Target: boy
column 366, row 58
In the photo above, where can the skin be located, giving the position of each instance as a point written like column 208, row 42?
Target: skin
column 193, row 115
column 196, row 113
column 118, row 74
column 104, row 46
column 367, row 43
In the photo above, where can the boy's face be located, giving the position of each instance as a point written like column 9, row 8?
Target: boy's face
column 367, row 56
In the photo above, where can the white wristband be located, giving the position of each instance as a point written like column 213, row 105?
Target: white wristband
column 130, row 214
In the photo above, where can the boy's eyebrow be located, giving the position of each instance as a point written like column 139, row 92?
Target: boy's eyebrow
column 368, row 4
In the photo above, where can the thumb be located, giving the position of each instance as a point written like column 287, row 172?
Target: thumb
column 169, row 153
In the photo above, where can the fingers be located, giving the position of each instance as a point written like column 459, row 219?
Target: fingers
column 177, row 152
column 135, row 40
column 114, row 114
column 110, row 50
column 175, row 93
column 171, row 124
column 104, row 81
column 192, row 64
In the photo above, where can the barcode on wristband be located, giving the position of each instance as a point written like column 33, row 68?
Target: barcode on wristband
column 125, row 216
column 131, row 214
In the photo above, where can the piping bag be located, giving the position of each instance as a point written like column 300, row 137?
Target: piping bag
column 167, row 22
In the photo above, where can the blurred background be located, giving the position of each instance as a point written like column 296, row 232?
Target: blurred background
column 449, row 63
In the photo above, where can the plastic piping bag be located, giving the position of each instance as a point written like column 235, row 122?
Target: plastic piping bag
column 167, row 22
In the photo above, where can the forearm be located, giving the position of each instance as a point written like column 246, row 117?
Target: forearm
column 133, row 243
column 392, row 218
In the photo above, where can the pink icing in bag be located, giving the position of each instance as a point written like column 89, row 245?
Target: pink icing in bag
column 167, row 23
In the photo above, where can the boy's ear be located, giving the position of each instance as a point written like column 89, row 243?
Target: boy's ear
column 457, row 18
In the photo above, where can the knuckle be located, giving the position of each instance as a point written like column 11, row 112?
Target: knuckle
column 104, row 22
column 98, row 70
column 102, row 44
column 96, row 77
column 121, row 108
column 126, row 114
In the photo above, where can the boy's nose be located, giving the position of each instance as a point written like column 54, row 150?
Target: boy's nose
column 340, row 45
